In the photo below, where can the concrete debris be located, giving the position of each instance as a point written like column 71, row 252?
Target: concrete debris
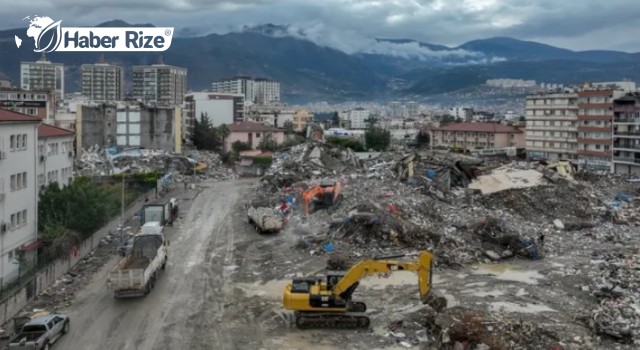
column 309, row 161
column 428, row 201
column 97, row 161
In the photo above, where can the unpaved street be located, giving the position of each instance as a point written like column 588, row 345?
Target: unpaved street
column 181, row 311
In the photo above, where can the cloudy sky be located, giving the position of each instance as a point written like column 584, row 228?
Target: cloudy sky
column 578, row 25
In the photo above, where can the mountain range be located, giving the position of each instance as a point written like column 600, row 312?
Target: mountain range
column 377, row 69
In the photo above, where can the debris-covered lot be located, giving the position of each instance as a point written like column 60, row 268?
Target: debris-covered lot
column 529, row 255
column 526, row 256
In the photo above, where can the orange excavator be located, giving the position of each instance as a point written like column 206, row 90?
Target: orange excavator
column 324, row 195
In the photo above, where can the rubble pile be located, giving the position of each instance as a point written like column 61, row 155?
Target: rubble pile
column 97, row 161
column 307, row 161
column 461, row 208
column 61, row 293
column 461, row 328
column 617, row 288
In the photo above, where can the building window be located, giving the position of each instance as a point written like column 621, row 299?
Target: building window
column 32, row 111
column 13, row 221
column 13, row 182
column 24, row 141
column 18, row 142
column 12, row 142
column 24, row 217
column 24, row 180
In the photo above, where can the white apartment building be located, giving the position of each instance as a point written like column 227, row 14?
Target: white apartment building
column 464, row 113
column 103, row 82
column 357, row 118
column 552, row 121
column 55, row 155
column 18, row 192
column 43, row 75
column 255, row 90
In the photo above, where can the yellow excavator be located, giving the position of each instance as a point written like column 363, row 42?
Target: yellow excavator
column 325, row 302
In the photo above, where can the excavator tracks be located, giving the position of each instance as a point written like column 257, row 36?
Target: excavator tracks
column 306, row 320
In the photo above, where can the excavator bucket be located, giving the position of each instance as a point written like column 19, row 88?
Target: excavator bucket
column 425, row 275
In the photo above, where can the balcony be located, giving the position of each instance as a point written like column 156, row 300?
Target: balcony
column 626, row 133
column 595, row 117
column 551, row 128
column 552, row 106
column 619, row 120
column 594, row 141
column 584, row 152
column 626, row 109
column 627, row 160
column 595, row 105
column 553, row 117
column 626, row 147
column 594, row 128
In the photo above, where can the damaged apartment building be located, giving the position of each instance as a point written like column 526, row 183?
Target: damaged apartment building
column 129, row 124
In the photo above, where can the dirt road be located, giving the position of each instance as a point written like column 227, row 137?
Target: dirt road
column 188, row 299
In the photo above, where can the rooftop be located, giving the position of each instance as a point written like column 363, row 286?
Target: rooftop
column 46, row 130
column 11, row 116
column 479, row 127
column 250, row 126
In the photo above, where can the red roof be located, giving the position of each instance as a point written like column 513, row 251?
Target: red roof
column 250, row 127
column 479, row 127
column 46, row 130
column 11, row 116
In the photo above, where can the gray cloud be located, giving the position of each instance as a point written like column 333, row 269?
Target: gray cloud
column 351, row 25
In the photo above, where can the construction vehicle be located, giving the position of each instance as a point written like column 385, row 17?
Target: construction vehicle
column 325, row 302
column 136, row 274
column 324, row 195
column 165, row 212
column 265, row 219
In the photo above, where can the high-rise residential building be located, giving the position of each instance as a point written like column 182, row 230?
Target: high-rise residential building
column 18, row 192
column 552, row 121
column 255, row 90
column 412, row 108
column 358, row 118
column 160, row 83
column 626, row 134
column 595, row 115
column 395, row 109
column 43, row 75
column 103, row 82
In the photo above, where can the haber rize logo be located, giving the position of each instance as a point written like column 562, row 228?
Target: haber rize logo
column 48, row 35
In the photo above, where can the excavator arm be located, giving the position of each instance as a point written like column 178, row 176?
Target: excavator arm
column 373, row 267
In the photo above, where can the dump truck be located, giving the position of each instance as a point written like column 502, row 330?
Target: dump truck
column 265, row 219
column 164, row 213
column 136, row 274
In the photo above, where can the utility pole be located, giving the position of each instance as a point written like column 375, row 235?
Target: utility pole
column 122, row 210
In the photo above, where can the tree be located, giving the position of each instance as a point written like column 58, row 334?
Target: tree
column 371, row 122
column 204, row 134
column 239, row 146
column 355, row 145
column 377, row 139
column 522, row 118
column 223, row 132
column 289, row 128
column 267, row 143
